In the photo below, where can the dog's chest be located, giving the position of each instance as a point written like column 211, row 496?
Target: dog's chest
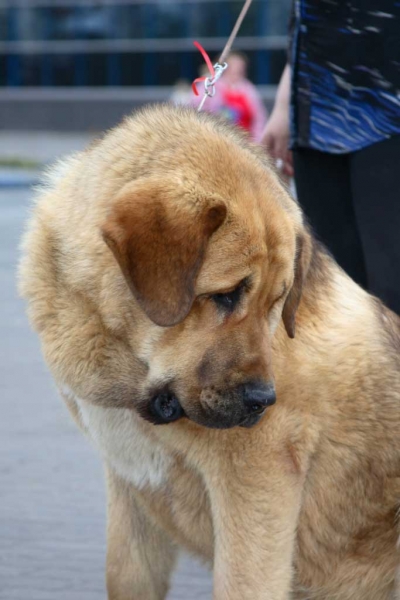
column 138, row 458
column 119, row 436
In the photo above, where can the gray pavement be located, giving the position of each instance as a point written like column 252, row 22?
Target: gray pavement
column 52, row 503
column 41, row 146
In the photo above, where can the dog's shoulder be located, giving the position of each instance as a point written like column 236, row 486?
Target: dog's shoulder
column 389, row 325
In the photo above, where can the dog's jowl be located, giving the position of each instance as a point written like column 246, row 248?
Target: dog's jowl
column 242, row 391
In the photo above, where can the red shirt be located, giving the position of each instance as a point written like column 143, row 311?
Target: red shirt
column 236, row 105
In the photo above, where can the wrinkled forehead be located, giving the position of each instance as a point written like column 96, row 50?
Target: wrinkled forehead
column 252, row 243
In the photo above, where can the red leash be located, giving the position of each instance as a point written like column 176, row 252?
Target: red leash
column 209, row 65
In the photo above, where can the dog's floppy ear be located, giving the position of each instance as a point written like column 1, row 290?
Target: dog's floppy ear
column 302, row 263
column 158, row 231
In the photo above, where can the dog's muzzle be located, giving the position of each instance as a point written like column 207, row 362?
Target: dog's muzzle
column 243, row 405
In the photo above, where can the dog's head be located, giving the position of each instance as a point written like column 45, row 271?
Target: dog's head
column 213, row 266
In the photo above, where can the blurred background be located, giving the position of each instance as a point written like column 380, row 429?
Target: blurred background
column 68, row 70
column 70, row 64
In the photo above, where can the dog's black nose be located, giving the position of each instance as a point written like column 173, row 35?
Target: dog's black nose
column 165, row 408
column 257, row 395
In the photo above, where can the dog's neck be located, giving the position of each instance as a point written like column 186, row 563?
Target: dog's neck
column 333, row 311
column 320, row 280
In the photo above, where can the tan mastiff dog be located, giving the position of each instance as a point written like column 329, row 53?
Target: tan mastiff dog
column 164, row 269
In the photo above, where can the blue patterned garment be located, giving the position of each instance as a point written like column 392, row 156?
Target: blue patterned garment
column 345, row 57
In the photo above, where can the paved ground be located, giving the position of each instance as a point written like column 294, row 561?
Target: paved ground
column 52, row 542
column 39, row 146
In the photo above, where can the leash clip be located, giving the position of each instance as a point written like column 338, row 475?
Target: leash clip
column 209, row 82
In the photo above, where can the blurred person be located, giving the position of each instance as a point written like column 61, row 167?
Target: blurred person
column 237, row 98
column 339, row 103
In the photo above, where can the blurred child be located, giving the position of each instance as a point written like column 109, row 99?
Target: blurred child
column 237, row 98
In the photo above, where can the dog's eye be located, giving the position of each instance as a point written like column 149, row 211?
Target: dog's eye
column 228, row 301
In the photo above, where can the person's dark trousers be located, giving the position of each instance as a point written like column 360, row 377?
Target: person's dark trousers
column 353, row 204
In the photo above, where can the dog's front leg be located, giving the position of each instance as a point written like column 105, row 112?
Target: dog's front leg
column 140, row 557
column 255, row 498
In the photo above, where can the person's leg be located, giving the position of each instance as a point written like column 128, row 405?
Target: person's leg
column 324, row 192
column 375, row 177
